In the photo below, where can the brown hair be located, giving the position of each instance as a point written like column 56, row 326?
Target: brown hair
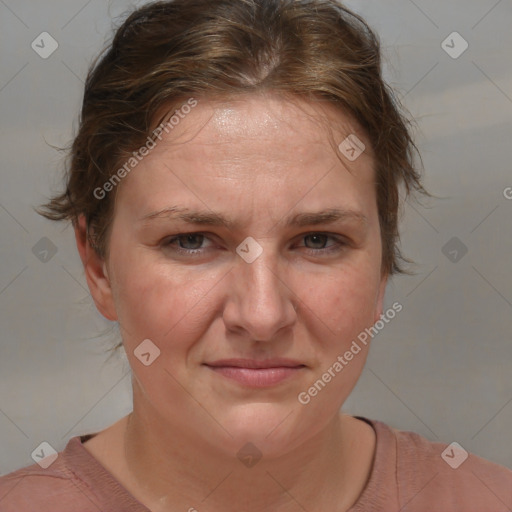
column 170, row 50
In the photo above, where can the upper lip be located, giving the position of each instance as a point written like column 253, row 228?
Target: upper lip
column 253, row 363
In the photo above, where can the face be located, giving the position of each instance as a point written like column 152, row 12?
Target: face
column 247, row 248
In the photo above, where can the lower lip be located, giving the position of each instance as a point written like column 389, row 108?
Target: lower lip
column 257, row 377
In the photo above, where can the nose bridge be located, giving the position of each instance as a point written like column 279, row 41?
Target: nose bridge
column 262, row 304
column 262, row 278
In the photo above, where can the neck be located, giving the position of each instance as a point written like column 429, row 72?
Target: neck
column 167, row 468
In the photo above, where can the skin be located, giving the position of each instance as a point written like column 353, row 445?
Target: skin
column 257, row 160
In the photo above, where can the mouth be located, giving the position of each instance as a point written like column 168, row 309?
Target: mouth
column 254, row 373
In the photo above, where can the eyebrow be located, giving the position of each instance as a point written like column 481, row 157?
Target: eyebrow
column 328, row 216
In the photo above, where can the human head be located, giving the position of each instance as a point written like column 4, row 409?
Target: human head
column 167, row 58
column 167, row 52
column 243, row 239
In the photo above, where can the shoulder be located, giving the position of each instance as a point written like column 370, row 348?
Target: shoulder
column 73, row 481
column 429, row 472
column 21, row 489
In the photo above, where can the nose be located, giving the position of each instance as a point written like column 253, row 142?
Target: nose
column 261, row 301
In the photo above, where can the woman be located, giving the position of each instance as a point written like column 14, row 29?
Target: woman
column 234, row 188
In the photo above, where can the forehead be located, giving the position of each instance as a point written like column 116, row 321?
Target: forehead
column 263, row 116
column 264, row 144
column 260, row 126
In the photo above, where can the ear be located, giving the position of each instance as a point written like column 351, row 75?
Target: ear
column 379, row 304
column 95, row 272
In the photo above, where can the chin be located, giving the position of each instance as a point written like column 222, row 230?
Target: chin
column 274, row 429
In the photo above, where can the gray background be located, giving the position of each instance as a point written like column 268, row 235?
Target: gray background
column 440, row 368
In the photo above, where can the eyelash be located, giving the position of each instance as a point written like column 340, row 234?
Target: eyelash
column 336, row 247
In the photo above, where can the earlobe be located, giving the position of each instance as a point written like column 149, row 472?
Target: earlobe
column 96, row 273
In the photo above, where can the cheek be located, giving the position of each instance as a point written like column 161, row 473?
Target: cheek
column 341, row 307
column 160, row 303
column 344, row 302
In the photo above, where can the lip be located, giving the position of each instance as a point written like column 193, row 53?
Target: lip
column 254, row 373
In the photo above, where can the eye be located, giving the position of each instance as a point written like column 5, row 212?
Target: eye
column 192, row 244
column 186, row 243
column 318, row 243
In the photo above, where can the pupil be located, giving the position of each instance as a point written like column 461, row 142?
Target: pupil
column 318, row 239
column 191, row 238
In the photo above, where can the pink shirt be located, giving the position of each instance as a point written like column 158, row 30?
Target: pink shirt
column 408, row 475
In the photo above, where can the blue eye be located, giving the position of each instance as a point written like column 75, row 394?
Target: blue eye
column 191, row 244
column 317, row 238
column 194, row 239
column 320, row 239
